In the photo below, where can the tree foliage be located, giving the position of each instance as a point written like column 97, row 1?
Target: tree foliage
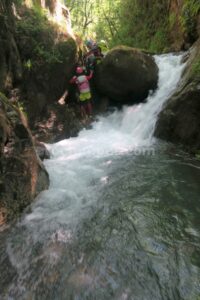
column 145, row 24
column 95, row 18
column 130, row 22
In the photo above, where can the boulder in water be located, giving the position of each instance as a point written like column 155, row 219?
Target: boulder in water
column 126, row 75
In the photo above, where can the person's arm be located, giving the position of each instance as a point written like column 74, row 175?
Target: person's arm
column 90, row 76
column 73, row 80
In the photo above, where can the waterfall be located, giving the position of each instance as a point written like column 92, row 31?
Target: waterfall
column 75, row 166
column 133, row 126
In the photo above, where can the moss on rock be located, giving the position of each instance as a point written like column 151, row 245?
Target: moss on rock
column 48, row 58
column 126, row 75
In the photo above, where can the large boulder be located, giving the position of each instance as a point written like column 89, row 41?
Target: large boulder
column 37, row 56
column 126, row 75
column 49, row 57
column 179, row 122
column 22, row 174
column 47, row 83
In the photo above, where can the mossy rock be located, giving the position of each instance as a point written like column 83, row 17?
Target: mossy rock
column 48, row 58
column 126, row 75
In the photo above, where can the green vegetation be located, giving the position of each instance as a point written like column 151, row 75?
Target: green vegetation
column 146, row 24
column 36, row 39
column 172, row 20
column 44, row 50
column 196, row 69
column 137, row 23
column 190, row 10
column 98, row 19
column 159, row 42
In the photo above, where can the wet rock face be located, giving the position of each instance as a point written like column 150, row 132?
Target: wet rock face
column 42, row 151
column 10, row 62
column 179, row 122
column 47, row 83
column 126, row 75
column 22, row 175
column 36, row 55
column 62, row 122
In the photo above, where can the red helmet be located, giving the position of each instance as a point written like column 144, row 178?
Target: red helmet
column 79, row 70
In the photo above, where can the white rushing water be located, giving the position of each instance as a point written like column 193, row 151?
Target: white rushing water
column 78, row 166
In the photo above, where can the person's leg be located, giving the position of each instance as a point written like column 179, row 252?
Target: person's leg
column 83, row 111
column 88, row 104
column 82, row 106
column 89, row 108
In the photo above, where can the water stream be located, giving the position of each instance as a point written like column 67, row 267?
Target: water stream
column 121, row 217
